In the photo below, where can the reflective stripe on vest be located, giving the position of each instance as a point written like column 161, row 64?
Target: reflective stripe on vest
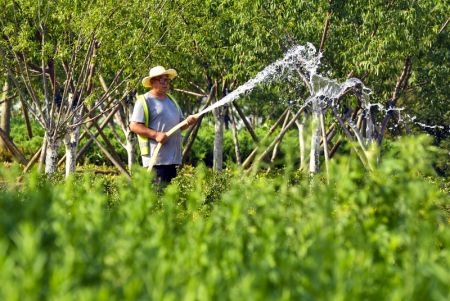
column 144, row 142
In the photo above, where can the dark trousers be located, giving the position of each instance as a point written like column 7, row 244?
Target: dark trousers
column 165, row 173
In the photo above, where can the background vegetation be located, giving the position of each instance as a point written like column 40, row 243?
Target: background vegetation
column 228, row 42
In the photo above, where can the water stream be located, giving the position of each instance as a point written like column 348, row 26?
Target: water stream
column 306, row 61
column 298, row 55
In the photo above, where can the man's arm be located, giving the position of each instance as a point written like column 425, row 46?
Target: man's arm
column 141, row 129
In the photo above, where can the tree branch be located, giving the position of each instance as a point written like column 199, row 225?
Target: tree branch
column 325, row 31
column 399, row 88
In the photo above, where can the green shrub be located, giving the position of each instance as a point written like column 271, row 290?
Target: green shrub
column 366, row 236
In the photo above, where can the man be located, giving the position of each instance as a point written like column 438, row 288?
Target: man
column 155, row 113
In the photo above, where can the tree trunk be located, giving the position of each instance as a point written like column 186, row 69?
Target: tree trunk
column 90, row 141
column 301, row 142
column 33, row 160
column 5, row 120
column 370, row 128
column 51, row 154
column 218, row 138
column 26, row 118
column 130, row 137
column 131, row 148
column 275, row 149
column 399, row 88
column 12, row 148
column 237, row 150
column 315, row 140
column 325, row 144
column 246, row 123
column 42, row 155
column 71, row 142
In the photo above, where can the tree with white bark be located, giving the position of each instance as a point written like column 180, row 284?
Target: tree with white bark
column 52, row 52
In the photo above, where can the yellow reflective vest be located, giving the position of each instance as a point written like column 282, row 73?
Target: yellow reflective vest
column 144, row 142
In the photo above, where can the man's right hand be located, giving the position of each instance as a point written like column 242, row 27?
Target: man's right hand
column 161, row 137
column 141, row 129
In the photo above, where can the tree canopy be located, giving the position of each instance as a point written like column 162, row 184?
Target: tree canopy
column 60, row 49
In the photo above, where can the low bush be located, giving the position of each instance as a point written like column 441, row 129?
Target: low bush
column 365, row 236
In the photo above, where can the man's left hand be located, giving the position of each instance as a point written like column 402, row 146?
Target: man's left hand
column 191, row 120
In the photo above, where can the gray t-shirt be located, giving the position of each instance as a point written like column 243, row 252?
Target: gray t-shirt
column 163, row 115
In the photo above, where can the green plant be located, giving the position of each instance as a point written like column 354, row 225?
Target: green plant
column 381, row 235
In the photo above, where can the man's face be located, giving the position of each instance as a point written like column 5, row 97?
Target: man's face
column 161, row 83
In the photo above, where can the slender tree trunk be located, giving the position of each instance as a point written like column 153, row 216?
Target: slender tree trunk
column 33, row 160
column 399, row 88
column 218, row 138
column 275, row 149
column 237, row 150
column 131, row 148
column 26, row 117
column 325, row 144
column 71, row 142
column 370, row 128
column 190, row 141
column 301, row 142
column 42, row 155
column 246, row 123
column 130, row 137
column 315, row 140
column 51, row 154
column 5, row 117
column 325, row 31
column 85, row 134
column 13, row 148
column 335, row 147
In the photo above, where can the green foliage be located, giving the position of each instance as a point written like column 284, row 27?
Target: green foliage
column 20, row 137
column 366, row 236
column 200, row 186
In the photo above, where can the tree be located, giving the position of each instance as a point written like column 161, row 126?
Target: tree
column 53, row 50
column 5, row 117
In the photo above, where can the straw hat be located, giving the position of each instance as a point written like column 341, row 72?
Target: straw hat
column 158, row 71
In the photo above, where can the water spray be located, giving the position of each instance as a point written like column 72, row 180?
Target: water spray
column 298, row 55
column 324, row 93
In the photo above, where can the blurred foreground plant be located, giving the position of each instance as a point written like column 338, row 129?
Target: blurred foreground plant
column 366, row 236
